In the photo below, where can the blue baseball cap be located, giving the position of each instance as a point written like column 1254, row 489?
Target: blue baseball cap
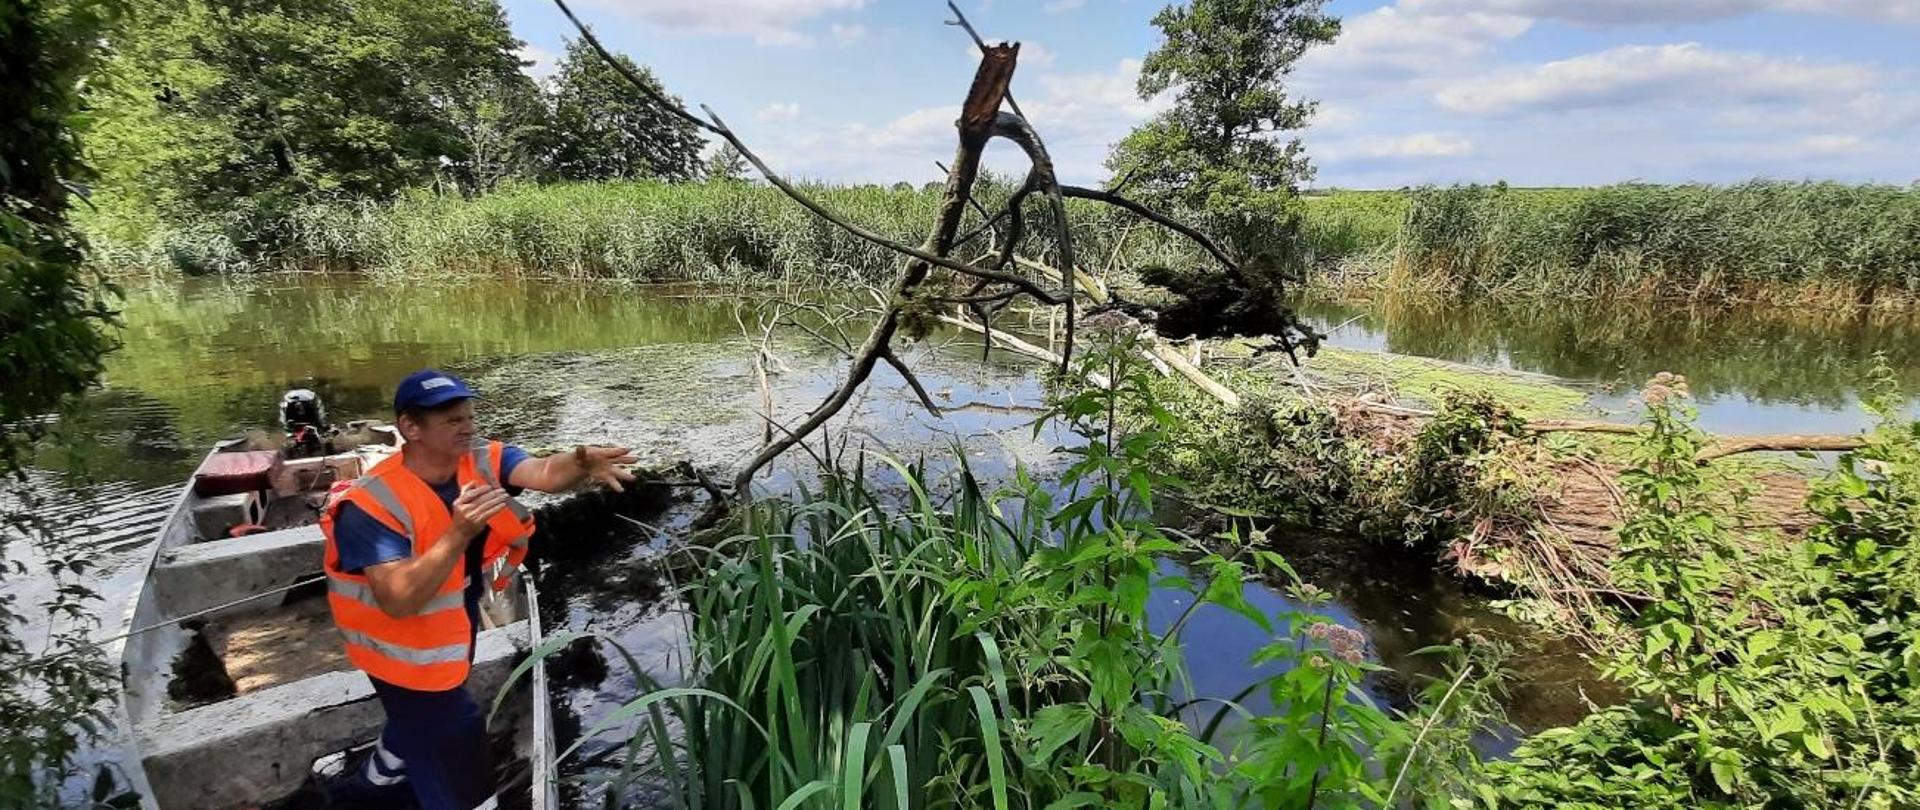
column 429, row 388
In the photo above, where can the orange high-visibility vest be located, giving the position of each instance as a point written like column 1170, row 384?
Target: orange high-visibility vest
column 430, row 650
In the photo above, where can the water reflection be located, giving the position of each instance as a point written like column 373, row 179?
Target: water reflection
column 1754, row 369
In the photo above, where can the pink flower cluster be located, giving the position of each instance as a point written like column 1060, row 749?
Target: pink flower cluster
column 1346, row 643
column 1112, row 322
column 1665, row 386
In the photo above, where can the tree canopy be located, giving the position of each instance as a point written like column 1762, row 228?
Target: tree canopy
column 607, row 130
column 248, row 105
column 1223, row 143
column 53, row 334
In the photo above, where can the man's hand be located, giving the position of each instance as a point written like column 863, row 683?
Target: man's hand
column 477, row 504
column 601, row 464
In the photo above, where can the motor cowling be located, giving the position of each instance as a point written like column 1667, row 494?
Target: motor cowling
column 304, row 417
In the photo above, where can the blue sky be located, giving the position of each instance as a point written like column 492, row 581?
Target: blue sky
column 1535, row 92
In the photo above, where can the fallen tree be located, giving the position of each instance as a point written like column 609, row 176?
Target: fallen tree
column 932, row 286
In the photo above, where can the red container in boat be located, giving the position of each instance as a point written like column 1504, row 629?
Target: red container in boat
column 234, row 473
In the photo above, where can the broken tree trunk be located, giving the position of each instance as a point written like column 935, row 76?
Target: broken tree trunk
column 977, row 118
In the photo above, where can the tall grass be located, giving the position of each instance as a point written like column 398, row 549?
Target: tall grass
column 636, row 231
column 1808, row 242
column 1799, row 241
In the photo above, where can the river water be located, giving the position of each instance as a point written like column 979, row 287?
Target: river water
column 666, row 370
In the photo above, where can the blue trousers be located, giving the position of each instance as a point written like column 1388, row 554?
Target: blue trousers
column 442, row 736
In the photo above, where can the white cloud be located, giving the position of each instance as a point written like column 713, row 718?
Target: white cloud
column 1409, row 41
column 1419, row 145
column 769, row 22
column 778, row 111
column 1335, row 116
column 1078, row 115
column 1114, row 90
column 1647, row 75
column 1832, row 144
column 1645, row 12
column 847, row 34
column 540, row 62
column 1064, row 6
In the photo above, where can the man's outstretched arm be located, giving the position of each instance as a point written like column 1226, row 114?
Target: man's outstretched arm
column 563, row 471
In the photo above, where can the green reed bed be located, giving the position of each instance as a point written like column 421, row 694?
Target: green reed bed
column 1760, row 240
column 637, row 231
column 1805, row 242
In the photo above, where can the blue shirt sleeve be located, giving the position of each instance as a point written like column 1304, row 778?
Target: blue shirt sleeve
column 510, row 457
column 365, row 541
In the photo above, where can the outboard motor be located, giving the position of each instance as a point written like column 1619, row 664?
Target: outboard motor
column 304, row 418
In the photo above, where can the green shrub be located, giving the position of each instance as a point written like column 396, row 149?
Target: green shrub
column 1786, row 678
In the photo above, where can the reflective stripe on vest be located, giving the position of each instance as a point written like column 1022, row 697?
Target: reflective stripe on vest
column 363, row 593
column 483, row 463
column 389, row 501
column 449, row 654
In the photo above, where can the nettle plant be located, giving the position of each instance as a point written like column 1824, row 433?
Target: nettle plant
column 1783, row 677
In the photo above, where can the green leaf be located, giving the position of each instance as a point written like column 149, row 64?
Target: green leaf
column 852, row 768
column 1057, row 725
column 897, row 757
column 533, row 658
column 1816, row 745
column 805, row 792
column 1229, row 592
column 1790, row 721
column 990, row 737
column 641, row 703
column 1726, row 774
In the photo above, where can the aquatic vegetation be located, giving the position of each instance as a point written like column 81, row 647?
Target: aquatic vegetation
column 1825, row 243
column 951, row 646
column 1329, row 465
column 638, row 231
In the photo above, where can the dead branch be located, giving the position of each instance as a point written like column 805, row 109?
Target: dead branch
column 1580, row 426
column 1007, row 341
column 713, row 123
column 1731, row 445
column 913, row 382
column 977, row 117
column 993, row 286
column 1157, row 218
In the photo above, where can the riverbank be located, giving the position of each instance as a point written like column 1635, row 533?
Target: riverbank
column 1501, row 477
column 1821, row 245
column 563, row 361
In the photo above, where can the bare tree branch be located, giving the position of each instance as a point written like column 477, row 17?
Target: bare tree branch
column 912, row 381
column 976, row 126
column 719, row 127
column 1164, row 221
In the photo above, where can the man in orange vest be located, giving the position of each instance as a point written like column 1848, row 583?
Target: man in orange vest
column 408, row 552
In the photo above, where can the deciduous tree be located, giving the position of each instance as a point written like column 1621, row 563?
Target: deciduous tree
column 609, row 131
column 1223, row 146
